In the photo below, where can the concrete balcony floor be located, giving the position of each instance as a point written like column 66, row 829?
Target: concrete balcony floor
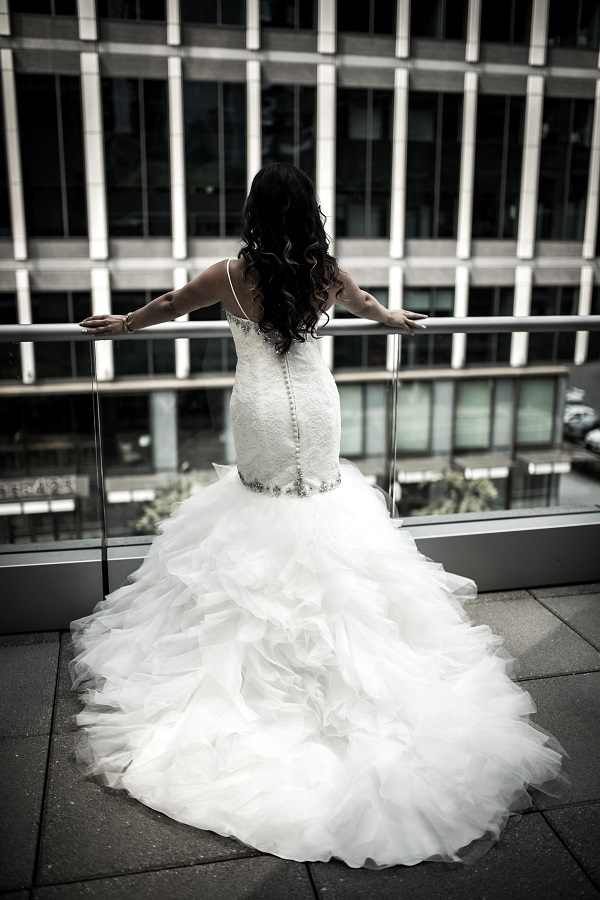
column 64, row 837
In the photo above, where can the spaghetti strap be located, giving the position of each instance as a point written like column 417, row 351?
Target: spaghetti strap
column 234, row 293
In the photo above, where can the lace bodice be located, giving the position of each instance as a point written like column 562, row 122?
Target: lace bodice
column 285, row 414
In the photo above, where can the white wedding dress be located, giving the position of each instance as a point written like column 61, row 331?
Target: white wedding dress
column 286, row 668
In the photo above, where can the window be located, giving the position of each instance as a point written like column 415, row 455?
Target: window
column 52, row 155
column 46, row 7
column 553, row 346
column 489, row 349
column 62, row 359
column 4, row 198
column 508, row 22
column 136, row 140
column 214, row 12
column 433, row 165
column 574, row 24
column 535, row 411
column 211, row 354
column 362, row 351
column 414, row 406
column 139, row 10
column 445, row 19
column 215, row 154
column 367, row 16
column 352, row 413
column 593, row 353
column 473, row 415
column 289, row 14
column 498, row 155
column 433, row 350
column 10, row 354
column 564, row 167
column 288, row 126
column 141, row 357
column 364, row 162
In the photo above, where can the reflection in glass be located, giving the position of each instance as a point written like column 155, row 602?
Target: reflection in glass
column 574, row 24
column 508, row 22
column 214, row 12
column 364, row 162
column 288, row 126
column 367, row 17
column 294, row 14
column 211, row 354
column 140, row 357
column 535, row 411
column 473, row 415
column 64, row 359
column 430, row 350
column 139, row 10
column 549, row 346
column 489, row 349
column 351, row 403
column 46, row 7
column 413, row 419
column 445, row 19
column 361, row 351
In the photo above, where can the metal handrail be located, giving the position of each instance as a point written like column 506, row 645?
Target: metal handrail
column 335, row 328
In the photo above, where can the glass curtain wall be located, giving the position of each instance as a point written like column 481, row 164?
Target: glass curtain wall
column 46, row 7
column 140, row 357
column 211, row 354
column 288, row 126
column 548, row 346
column 62, row 359
column 138, row 10
column 361, row 351
column 296, row 14
column 442, row 19
column 574, row 24
column 364, row 162
column 367, row 17
column 433, row 164
column 215, row 156
column 489, row 349
column 50, row 132
column 508, row 22
column 136, row 148
column 593, row 353
column 10, row 356
column 433, row 350
column 214, row 12
column 498, row 156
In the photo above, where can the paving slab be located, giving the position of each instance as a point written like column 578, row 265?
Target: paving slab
column 29, row 637
column 579, row 828
column 529, row 862
column 565, row 590
column 541, row 643
column 15, row 895
column 258, row 878
column 91, row 830
column 581, row 611
column 28, row 678
column 23, row 768
column 66, row 703
column 568, row 708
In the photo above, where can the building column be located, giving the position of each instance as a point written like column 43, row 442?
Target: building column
column 403, row 29
column 534, row 112
column 252, row 24
column 539, row 33
column 473, row 28
column 522, row 307
column 173, row 23
column 13, row 156
column 461, row 309
column 400, row 138
column 4, row 19
column 254, row 120
column 467, row 167
column 182, row 345
column 326, row 40
column 101, row 305
column 593, row 192
column 163, row 426
column 86, row 13
column 325, row 179
column 24, row 318
column 394, row 341
column 93, row 146
column 586, row 287
column 177, row 152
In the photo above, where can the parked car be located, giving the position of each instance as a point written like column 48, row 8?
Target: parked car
column 592, row 440
column 578, row 426
column 574, row 395
column 577, row 410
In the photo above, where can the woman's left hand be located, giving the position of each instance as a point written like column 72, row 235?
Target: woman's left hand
column 104, row 326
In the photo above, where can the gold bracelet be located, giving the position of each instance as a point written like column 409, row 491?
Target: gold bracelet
column 126, row 326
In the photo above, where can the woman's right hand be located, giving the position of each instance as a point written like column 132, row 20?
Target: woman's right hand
column 405, row 319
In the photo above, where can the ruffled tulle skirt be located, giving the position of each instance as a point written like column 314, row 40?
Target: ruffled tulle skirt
column 292, row 672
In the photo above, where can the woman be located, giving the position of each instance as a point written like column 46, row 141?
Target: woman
column 285, row 667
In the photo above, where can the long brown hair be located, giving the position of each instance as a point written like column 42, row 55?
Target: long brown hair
column 286, row 253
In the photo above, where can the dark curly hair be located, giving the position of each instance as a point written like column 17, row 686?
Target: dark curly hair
column 285, row 251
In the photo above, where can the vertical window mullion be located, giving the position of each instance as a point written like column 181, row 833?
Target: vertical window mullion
column 61, row 157
column 143, row 159
column 221, row 146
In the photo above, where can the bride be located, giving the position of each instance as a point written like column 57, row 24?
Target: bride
column 285, row 667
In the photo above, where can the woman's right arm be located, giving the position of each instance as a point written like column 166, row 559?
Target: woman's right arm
column 361, row 303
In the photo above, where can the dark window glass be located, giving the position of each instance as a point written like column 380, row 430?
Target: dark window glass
column 498, row 155
column 211, row 354
column 10, row 356
column 445, row 19
column 138, row 10
column 5, row 229
column 136, row 141
column 574, row 24
column 45, row 7
column 508, row 22
column 215, row 156
column 564, row 168
column 140, row 357
column 364, row 162
column 214, row 12
column 61, row 359
column 484, row 349
column 433, row 350
column 553, row 346
column 289, row 14
column 288, row 126
column 593, row 353
column 433, row 165
column 367, row 16
column 362, row 351
column 52, row 155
